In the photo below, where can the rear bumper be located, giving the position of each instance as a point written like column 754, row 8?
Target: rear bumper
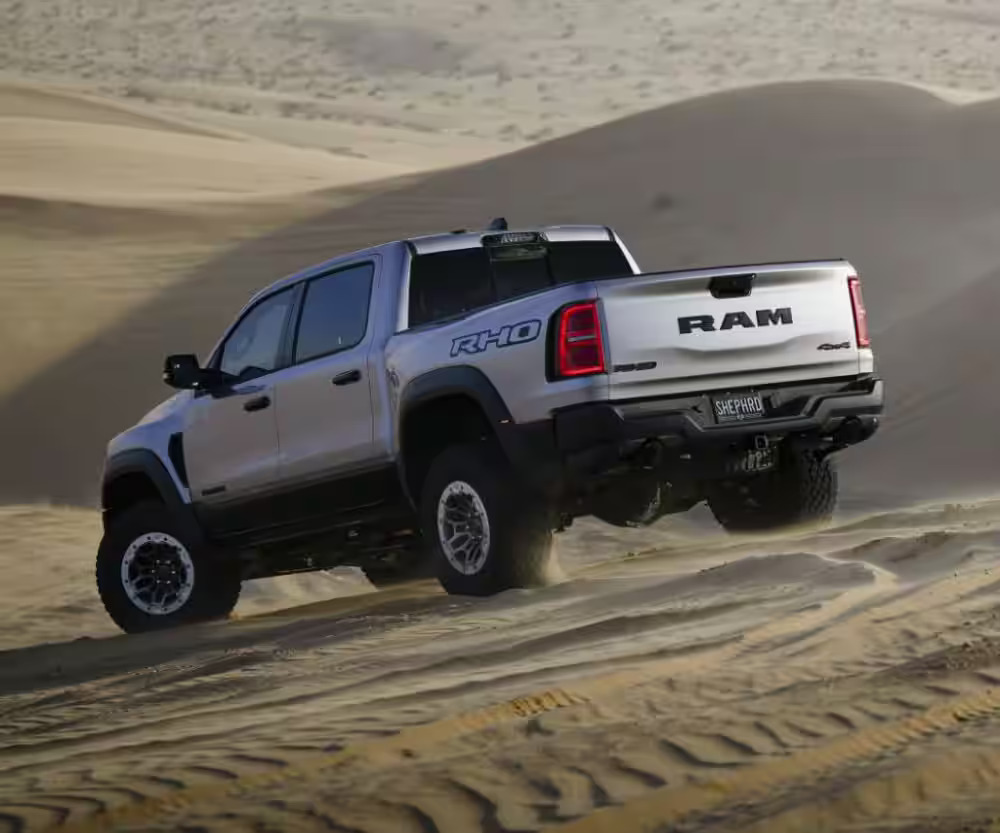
column 591, row 438
column 816, row 408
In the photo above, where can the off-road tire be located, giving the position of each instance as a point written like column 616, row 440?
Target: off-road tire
column 801, row 490
column 520, row 551
column 215, row 589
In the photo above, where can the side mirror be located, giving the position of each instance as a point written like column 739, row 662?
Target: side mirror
column 182, row 371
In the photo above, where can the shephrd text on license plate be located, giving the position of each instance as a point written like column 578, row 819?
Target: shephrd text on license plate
column 738, row 407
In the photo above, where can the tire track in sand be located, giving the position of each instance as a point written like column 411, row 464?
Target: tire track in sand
column 407, row 741
column 397, row 745
column 591, row 693
column 671, row 804
column 657, row 806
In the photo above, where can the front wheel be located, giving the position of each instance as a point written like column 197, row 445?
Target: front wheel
column 801, row 490
column 153, row 574
column 486, row 531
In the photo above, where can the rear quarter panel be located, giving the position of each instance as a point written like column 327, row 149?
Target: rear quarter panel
column 508, row 343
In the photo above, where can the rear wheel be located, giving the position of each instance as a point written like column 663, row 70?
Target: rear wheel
column 802, row 489
column 486, row 531
column 154, row 574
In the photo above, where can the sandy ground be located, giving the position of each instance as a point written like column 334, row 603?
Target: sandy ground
column 806, row 683
column 676, row 678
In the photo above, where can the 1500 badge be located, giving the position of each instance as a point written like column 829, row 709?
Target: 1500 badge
column 505, row 336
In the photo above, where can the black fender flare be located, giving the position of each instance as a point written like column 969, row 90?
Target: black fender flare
column 462, row 380
column 457, row 380
column 146, row 462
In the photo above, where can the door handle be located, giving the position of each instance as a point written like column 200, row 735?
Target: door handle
column 348, row 377
column 258, row 403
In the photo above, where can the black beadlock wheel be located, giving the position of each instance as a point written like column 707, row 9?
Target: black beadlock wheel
column 153, row 574
column 802, row 489
column 487, row 533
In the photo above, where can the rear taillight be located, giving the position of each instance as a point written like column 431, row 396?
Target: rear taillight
column 580, row 347
column 860, row 313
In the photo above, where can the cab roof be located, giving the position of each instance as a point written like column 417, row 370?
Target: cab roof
column 443, row 242
column 468, row 239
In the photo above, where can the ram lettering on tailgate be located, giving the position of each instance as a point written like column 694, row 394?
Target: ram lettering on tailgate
column 761, row 318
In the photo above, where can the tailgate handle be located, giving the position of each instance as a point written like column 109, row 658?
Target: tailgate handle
column 731, row 286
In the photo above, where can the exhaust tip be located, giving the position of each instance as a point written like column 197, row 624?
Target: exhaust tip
column 856, row 430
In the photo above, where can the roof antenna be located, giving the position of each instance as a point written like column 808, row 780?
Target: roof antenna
column 497, row 224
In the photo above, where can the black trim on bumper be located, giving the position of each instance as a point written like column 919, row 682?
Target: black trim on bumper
column 584, row 440
column 685, row 420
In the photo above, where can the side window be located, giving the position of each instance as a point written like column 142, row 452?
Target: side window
column 254, row 346
column 449, row 283
column 334, row 312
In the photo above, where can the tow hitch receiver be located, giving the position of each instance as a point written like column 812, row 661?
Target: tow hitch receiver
column 761, row 457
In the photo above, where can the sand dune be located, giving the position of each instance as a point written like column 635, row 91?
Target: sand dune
column 40, row 101
column 941, row 361
column 846, row 678
column 63, row 147
column 904, row 184
column 103, row 206
column 111, row 164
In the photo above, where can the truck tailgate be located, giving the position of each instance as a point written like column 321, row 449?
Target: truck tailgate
column 729, row 329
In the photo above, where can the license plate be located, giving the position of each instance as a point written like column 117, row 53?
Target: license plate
column 738, row 407
column 753, row 461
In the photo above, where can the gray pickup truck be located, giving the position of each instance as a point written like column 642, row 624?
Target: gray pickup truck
column 445, row 404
